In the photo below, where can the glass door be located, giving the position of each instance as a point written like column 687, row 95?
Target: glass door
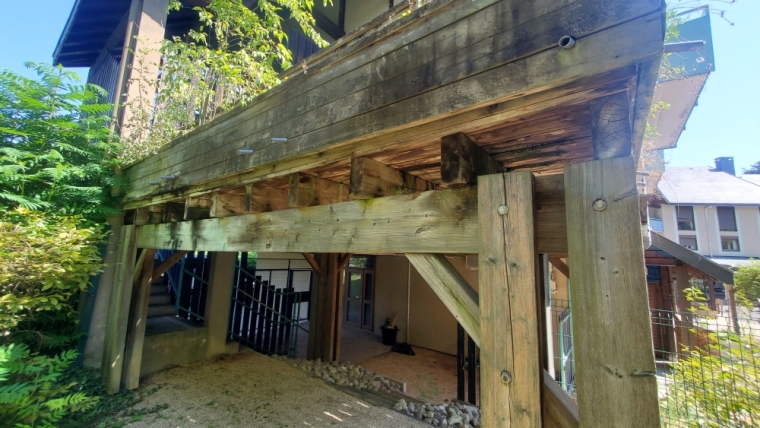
column 359, row 298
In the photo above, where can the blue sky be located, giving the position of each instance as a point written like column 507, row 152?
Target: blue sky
column 721, row 125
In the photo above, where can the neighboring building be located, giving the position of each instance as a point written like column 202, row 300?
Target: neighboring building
column 710, row 211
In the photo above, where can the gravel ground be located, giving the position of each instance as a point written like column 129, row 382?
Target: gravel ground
column 253, row 390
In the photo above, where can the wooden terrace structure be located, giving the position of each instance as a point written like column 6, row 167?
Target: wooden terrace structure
column 502, row 128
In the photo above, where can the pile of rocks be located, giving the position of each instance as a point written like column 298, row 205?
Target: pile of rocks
column 345, row 374
column 453, row 414
column 444, row 415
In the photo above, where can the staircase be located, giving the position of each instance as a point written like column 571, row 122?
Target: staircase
column 160, row 304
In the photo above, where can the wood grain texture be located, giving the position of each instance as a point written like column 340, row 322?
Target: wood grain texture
column 118, row 312
column 405, row 223
column 372, row 179
column 508, row 304
column 462, row 161
column 138, row 317
column 560, row 411
column 306, row 190
column 453, row 290
column 611, row 126
column 551, row 234
column 451, row 88
column 614, row 355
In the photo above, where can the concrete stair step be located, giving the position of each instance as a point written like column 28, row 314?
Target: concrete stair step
column 158, row 289
column 159, row 299
column 160, row 311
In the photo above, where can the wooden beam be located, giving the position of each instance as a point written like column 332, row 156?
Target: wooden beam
column 168, row 263
column 344, row 260
column 138, row 316
column 118, row 313
column 372, row 179
column 611, row 126
column 174, row 212
column 453, row 290
column 198, row 208
column 462, row 161
column 225, row 204
column 405, row 223
column 560, row 265
column 326, row 309
column 314, row 264
column 306, row 190
column 510, row 373
column 614, row 355
column 263, row 199
column 142, row 216
column 551, row 234
column 560, row 411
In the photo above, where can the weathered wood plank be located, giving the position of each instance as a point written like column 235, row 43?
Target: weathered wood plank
column 411, row 105
column 118, row 313
column 611, row 126
column 462, row 44
column 560, row 411
column 551, row 234
column 410, row 223
column 137, row 319
column 263, row 199
column 462, row 161
column 581, row 90
column 614, row 358
column 372, row 179
column 453, row 290
column 225, row 204
column 314, row 264
column 306, row 190
column 509, row 313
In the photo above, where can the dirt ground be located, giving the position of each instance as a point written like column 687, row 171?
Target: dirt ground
column 429, row 375
column 253, row 390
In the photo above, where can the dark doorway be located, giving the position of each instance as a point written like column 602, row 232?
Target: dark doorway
column 360, row 293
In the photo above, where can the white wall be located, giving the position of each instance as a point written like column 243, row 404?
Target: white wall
column 708, row 233
column 360, row 12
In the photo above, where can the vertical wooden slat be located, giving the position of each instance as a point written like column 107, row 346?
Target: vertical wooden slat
column 137, row 319
column 614, row 358
column 509, row 315
column 340, row 276
column 118, row 313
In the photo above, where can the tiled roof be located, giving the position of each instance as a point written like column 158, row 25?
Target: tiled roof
column 706, row 186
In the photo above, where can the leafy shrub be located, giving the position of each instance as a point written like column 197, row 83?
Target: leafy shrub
column 31, row 392
column 47, row 261
column 747, row 279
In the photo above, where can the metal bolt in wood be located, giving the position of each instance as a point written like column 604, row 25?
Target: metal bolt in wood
column 502, row 210
column 600, row 205
column 506, row 377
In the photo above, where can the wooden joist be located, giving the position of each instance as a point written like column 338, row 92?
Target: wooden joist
column 225, row 204
column 510, row 362
column 462, row 161
column 306, row 190
column 611, row 126
column 453, row 290
column 614, row 357
column 198, row 208
column 392, row 104
column 372, row 179
column 168, row 263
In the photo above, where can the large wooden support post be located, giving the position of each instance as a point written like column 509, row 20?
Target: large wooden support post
column 118, row 312
column 614, row 356
column 510, row 366
column 322, row 329
column 137, row 318
column 217, row 319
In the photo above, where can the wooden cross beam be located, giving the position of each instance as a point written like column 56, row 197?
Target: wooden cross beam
column 306, row 190
column 372, row 179
column 462, row 161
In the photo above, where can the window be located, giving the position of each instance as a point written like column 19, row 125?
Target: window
column 727, row 219
column 656, row 225
column 729, row 243
column 689, row 242
column 685, row 216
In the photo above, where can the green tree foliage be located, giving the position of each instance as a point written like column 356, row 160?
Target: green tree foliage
column 55, row 149
column 32, row 393
column 47, row 260
column 747, row 279
column 754, row 169
column 234, row 56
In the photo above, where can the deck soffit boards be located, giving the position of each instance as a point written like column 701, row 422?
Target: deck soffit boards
column 451, row 66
